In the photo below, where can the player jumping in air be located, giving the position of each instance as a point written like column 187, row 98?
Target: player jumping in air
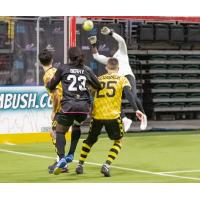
column 124, row 69
column 75, row 104
column 106, row 112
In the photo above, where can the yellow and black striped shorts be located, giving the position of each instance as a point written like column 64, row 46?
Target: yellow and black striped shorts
column 113, row 127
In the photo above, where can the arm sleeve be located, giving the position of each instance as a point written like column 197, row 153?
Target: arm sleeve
column 56, row 100
column 100, row 58
column 92, row 79
column 129, row 96
column 51, row 85
column 121, row 43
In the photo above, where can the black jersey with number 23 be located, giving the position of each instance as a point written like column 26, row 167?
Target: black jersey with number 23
column 74, row 80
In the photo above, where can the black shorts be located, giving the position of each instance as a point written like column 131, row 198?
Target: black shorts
column 70, row 119
column 114, row 128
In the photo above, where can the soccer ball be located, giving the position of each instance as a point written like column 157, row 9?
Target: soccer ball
column 88, row 25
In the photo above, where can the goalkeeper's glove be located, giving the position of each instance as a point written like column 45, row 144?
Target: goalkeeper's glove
column 106, row 31
column 139, row 115
column 93, row 40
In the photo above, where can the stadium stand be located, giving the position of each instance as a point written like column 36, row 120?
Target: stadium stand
column 164, row 55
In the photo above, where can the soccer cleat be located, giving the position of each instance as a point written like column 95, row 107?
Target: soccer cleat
column 52, row 167
column 105, row 170
column 79, row 169
column 143, row 124
column 127, row 123
column 59, row 166
column 69, row 158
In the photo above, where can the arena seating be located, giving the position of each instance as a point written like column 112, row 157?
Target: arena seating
column 171, row 82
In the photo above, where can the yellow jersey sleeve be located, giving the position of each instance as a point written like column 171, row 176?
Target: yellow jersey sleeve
column 124, row 82
column 46, row 78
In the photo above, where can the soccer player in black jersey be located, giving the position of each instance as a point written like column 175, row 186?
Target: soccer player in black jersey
column 75, row 104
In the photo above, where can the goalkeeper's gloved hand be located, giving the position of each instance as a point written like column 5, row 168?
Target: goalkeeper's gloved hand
column 139, row 115
column 93, row 40
column 106, row 31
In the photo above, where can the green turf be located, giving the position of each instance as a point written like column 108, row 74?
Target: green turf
column 153, row 152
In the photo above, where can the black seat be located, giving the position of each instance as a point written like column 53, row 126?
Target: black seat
column 146, row 32
column 177, row 33
column 158, row 76
column 175, row 67
column 158, row 57
column 190, row 76
column 159, row 67
column 174, row 76
column 180, row 85
column 194, row 95
column 194, row 86
column 162, row 95
column 176, row 57
column 161, row 105
column 194, row 104
column 192, row 57
column 163, row 86
column 179, row 95
column 161, row 32
column 178, row 104
column 191, row 67
column 193, row 33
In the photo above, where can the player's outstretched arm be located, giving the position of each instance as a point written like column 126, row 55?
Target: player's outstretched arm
column 129, row 96
column 51, row 85
column 92, row 79
column 100, row 58
column 121, row 42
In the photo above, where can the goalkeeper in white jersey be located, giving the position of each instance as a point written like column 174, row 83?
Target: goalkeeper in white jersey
column 124, row 69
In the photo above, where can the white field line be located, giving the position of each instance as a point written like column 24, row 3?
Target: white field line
column 9, row 143
column 181, row 171
column 114, row 167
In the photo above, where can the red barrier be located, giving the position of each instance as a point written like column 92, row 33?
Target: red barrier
column 72, row 31
column 150, row 18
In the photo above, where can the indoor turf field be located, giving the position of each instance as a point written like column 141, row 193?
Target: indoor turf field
column 160, row 157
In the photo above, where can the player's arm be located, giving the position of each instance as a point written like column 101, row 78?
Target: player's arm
column 121, row 42
column 51, row 85
column 92, row 79
column 100, row 58
column 129, row 96
column 55, row 101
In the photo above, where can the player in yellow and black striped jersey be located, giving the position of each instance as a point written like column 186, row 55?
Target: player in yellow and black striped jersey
column 46, row 60
column 106, row 112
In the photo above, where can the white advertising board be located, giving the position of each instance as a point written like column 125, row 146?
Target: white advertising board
column 24, row 109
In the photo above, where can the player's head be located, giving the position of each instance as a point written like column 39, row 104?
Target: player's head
column 45, row 57
column 76, row 56
column 112, row 65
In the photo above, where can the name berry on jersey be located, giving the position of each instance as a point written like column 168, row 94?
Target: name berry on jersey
column 77, row 71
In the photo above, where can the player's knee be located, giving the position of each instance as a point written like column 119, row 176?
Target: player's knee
column 90, row 140
column 76, row 128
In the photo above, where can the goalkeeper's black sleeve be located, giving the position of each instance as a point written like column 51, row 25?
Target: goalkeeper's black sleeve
column 129, row 96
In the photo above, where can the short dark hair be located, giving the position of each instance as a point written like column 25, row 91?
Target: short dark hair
column 112, row 63
column 45, row 57
column 76, row 56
